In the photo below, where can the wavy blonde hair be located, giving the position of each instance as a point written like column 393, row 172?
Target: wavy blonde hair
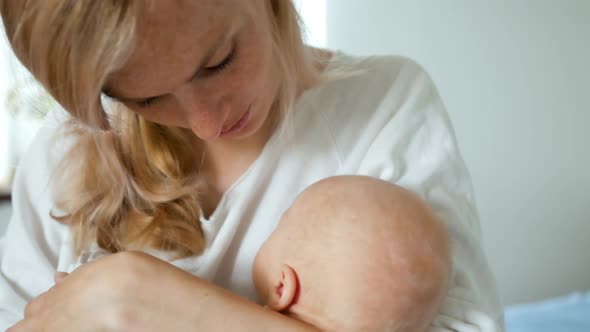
column 125, row 183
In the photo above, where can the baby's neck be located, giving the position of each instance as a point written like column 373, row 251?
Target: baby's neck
column 308, row 317
column 304, row 311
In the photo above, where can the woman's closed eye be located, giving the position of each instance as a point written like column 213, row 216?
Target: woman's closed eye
column 207, row 71
column 222, row 65
column 146, row 102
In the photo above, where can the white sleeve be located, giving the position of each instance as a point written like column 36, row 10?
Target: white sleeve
column 416, row 148
column 30, row 248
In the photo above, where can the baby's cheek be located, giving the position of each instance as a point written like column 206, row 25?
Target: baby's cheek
column 257, row 278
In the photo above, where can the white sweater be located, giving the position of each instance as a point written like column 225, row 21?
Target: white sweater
column 386, row 120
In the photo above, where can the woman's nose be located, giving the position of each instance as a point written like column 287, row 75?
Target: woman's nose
column 204, row 120
column 204, row 114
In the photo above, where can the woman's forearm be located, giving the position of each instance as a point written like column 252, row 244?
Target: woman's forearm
column 216, row 309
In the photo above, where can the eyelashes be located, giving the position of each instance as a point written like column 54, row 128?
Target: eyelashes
column 223, row 64
column 146, row 103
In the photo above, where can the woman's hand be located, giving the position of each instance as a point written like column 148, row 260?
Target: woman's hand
column 128, row 291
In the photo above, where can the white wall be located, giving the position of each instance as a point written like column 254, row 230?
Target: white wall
column 515, row 76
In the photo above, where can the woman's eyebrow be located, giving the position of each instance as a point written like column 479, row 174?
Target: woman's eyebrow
column 202, row 65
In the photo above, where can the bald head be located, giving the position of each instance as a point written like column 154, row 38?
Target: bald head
column 360, row 248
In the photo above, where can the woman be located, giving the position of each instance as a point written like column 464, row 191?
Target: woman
column 191, row 127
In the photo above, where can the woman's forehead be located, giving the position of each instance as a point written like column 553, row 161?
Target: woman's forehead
column 171, row 39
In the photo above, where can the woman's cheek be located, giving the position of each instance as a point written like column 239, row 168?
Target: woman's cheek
column 167, row 113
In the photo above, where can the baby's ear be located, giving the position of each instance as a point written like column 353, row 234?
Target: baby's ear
column 283, row 289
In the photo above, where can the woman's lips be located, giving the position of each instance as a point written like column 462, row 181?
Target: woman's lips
column 238, row 125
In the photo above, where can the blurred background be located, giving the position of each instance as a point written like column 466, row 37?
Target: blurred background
column 514, row 76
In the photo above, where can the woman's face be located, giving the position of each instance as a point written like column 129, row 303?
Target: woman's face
column 201, row 64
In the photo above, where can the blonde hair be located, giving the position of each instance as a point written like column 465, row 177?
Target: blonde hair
column 125, row 183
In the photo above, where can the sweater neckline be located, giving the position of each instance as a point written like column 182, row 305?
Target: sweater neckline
column 266, row 155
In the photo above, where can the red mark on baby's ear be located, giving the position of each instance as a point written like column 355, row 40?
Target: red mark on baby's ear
column 297, row 291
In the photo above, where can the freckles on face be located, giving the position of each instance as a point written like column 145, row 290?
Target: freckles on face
column 170, row 47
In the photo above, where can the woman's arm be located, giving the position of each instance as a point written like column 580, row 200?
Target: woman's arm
column 208, row 307
column 216, row 309
column 134, row 291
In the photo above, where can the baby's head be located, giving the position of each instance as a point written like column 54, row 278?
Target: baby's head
column 336, row 263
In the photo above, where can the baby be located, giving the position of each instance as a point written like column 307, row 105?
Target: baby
column 355, row 272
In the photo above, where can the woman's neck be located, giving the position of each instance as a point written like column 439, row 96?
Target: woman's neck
column 224, row 161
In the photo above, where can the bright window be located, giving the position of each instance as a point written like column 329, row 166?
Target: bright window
column 23, row 104
column 313, row 13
